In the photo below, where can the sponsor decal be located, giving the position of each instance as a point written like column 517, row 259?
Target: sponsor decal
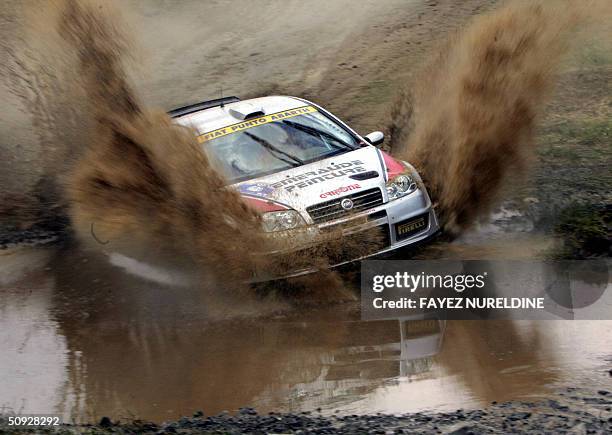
column 260, row 189
column 340, row 190
column 411, row 226
column 255, row 122
column 320, row 175
column 262, row 205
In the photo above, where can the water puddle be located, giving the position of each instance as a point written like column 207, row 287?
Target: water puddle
column 83, row 337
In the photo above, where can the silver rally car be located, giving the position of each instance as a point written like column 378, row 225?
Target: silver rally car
column 301, row 166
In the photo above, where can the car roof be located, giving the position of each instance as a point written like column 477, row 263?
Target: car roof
column 217, row 117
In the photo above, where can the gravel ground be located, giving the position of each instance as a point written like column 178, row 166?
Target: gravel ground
column 569, row 411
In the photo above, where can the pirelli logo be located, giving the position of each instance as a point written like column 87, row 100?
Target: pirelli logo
column 410, row 226
column 255, row 122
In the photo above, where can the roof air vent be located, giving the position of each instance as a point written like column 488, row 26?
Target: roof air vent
column 245, row 111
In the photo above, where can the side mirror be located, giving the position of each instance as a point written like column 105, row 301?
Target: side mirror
column 375, row 138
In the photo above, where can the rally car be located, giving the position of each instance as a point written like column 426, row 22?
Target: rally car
column 301, row 166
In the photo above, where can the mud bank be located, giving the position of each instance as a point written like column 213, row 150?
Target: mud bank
column 569, row 411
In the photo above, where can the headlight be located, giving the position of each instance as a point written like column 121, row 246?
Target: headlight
column 400, row 186
column 281, row 220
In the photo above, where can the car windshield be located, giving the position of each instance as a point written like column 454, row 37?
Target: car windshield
column 266, row 146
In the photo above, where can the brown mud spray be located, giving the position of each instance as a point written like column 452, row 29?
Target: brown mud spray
column 143, row 182
column 467, row 122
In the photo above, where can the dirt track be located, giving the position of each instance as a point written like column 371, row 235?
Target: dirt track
column 353, row 66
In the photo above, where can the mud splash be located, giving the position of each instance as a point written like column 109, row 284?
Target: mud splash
column 468, row 121
column 143, row 183
column 136, row 183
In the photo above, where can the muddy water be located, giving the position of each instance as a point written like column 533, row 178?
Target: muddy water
column 87, row 338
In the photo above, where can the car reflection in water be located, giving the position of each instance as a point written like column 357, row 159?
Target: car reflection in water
column 420, row 340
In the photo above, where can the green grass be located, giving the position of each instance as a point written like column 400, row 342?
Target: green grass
column 585, row 230
column 590, row 55
column 583, row 132
column 595, row 55
column 576, row 140
column 587, row 132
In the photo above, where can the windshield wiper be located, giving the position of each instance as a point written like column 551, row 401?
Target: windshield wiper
column 271, row 147
column 314, row 131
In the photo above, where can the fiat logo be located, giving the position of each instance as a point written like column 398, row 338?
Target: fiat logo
column 346, row 204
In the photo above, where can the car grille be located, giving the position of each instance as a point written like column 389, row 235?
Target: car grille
column 330, row 210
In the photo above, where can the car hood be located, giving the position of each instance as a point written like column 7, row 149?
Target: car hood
column 320, row 181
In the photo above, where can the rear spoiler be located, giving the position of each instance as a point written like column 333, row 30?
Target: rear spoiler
column 175, row 113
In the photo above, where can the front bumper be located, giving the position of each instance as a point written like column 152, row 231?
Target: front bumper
column 385, row 218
